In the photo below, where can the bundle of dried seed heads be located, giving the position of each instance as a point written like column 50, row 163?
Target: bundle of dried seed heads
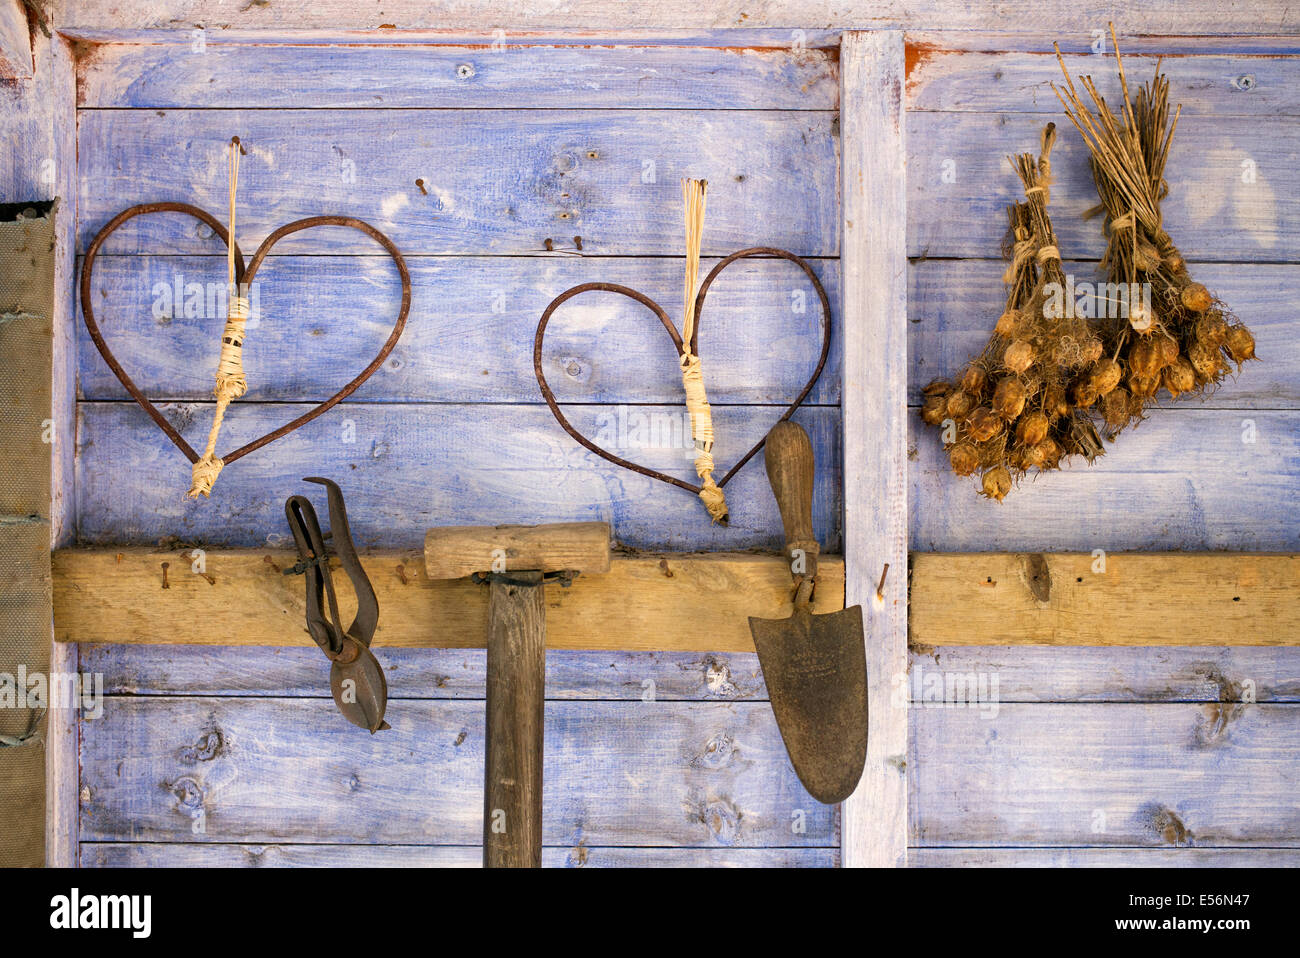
column 1012, row 410
column 1169, row 331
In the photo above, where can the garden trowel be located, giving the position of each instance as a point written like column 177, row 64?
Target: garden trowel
column 815, row 666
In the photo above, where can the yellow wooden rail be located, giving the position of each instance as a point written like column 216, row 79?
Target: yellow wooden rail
column 695, row 602
column 1156, row 598
column 241, row 597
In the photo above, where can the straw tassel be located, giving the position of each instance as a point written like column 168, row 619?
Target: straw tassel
column 230, row 380
column 697, row 401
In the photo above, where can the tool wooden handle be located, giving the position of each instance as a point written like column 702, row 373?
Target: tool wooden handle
column 789, row 456
column 516, row 683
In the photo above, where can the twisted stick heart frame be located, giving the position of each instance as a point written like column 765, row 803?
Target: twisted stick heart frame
column 243, row 279
column 682, row 349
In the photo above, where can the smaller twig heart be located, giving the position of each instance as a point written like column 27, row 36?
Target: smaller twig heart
column 244, row 278
column 681, row 347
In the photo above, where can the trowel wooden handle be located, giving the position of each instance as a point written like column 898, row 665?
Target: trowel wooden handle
column 516, row 684
column 789, row 456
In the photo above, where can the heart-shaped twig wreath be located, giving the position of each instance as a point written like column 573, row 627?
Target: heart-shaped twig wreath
column 230, row 381
column 688, row 351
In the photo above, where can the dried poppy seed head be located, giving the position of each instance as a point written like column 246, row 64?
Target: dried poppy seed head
column 996, row 483
column 974, row 379
column 934, row 410
column 959, row 404
column 984, row 424
column 1140, row 316
column 964, row 459
column 1009, row 398
column 1019, row 356
column 1031, row 429
column 1179, row 377
column 1196, row 297
column 1241, row 344
column 1212, row 330
column 1104, row 376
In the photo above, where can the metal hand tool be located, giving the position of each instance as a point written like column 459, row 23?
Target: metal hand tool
column 356, row 677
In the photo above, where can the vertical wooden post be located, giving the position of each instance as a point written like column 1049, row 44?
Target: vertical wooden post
column 516, row 686
column 874, row 270
column 63, row 726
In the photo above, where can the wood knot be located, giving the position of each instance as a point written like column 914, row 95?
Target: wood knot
column 1037, row 576
column 188, row 792
column 718, row 752
column 205, row 749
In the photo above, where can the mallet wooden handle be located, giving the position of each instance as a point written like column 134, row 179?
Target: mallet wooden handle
column 789, row 457
column 516, row 683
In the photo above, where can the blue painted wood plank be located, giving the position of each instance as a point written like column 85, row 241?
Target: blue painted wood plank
column 1184, row 479
column 1127, row 775
column 1104, row 857
column 422, row 673
column 1023, row 673
column 405, row 468
column 497, row 181
column 1232, row 198
column 291, row 770
column 1027, row 673
column 192, row 855
column 469, row 337
column 953, row 304
column 482, row 76
column 1239, row 82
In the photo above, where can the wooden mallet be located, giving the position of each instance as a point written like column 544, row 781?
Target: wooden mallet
column 515, row 560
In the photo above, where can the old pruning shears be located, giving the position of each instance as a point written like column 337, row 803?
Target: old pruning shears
column 356, row 677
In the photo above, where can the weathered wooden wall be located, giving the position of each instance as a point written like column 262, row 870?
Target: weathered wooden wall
column 1088, row 755
column 452, row 429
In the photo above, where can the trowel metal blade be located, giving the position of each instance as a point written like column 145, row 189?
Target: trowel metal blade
column 815, row 668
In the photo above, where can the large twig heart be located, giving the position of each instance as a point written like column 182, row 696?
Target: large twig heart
column 243, row 278
column 658, row 310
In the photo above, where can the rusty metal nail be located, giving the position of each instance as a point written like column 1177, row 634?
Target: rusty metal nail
column 880, row 589
column 212, row 580
column 165, row 584
column 420, row 183
column 242, row 151
column 549, row 244
column 577, row 241
column 271, row 562
column 401, row 573
column 663, row 564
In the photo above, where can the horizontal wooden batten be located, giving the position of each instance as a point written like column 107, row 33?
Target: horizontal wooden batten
column 243, row 597
column 1213, row 599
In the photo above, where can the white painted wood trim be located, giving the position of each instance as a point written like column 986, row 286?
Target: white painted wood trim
column 874, row 271
column 62, row 765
